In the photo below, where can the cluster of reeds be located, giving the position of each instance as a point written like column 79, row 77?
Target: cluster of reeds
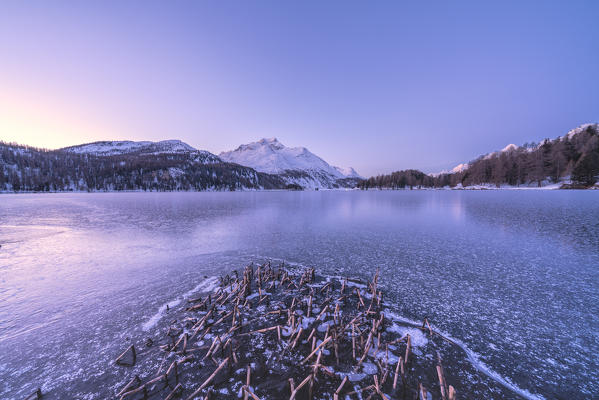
column 268, row 333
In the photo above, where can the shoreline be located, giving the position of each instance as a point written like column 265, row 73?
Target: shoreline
column 467, row 188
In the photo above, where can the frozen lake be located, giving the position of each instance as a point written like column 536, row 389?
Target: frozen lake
column 513, row 275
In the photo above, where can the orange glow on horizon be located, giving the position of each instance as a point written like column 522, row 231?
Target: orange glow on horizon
column 46, row 123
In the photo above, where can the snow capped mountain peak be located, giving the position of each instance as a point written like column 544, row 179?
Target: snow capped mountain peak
column 271, row 141
column 271, row 156
column 266, row 144
column 110, row 148
column 348, row 172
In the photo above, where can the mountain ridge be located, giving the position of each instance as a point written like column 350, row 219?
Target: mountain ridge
column 297, row 165
column 114, row 147
column 569, row 161
column 167, row 165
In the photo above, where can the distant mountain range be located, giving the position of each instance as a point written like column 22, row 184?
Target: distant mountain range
column 163, row 166
column 170, row 165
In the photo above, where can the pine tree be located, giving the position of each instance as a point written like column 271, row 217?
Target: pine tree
column 587, row 169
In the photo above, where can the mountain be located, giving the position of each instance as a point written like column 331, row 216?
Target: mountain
column 296, row 165
column 569, row 161
column 349, row 172
column 165, row 166
column 143, row 148
column 106, row 166
column 111, row 148
column 464, row 166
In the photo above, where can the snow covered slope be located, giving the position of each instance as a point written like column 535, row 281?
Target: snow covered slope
column 113, row 148
column 460, row 168
column 579, row 129
column 297, row 165
column 464, row 166
column 506, row 149
column 348, row 172
column 283, row 165
column 110, row 148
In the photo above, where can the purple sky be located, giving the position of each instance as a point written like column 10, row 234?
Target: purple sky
column 380, row 86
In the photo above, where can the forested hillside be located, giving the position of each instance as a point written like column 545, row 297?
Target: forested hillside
column 24, row 168
column 572, row 159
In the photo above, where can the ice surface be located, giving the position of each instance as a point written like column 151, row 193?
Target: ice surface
column 511, row 275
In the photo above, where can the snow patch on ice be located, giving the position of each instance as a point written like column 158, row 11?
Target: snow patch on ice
column 417, row 338
column 472, row 357
column 205, row 286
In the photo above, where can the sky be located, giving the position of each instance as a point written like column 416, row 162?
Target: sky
column 379, row 86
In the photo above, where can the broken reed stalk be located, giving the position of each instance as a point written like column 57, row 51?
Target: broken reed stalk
column 360, row 390
column 378, row 388
column 299, row 333
column 128, row 386
column 338, row 391
column 247, row 391
column 175, row 392
column 408, row 349
column 119, row 360
column 207, row 381
column 452, row 393
column 247, row 382
column 399, row 362
column 261, row 330
column 35, row 395
column 325, row 341
column 301, row 385
column 442, row 383
column 353, row 340
column 423, row 391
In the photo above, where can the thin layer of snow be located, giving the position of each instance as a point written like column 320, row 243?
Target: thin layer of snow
column 460, row 167
column 456, row 169
column 545, row 185
column 417, row 337
column 205, row 286
column 506, row 149
column 512, row 147
column 579, row 129
column 509, row 147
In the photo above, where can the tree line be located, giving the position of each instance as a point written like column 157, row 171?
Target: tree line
column 575, row 156
column 25, row 168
